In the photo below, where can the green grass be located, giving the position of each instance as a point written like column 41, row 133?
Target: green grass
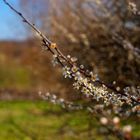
column 40, row 121
column 26, row 120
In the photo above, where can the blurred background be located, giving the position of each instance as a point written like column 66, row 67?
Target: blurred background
column 103, row 34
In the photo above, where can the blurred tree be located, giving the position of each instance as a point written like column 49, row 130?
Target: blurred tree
column 104, row 32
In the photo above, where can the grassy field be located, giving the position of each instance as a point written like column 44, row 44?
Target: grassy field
column 26, row 120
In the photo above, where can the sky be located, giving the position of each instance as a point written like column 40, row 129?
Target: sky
column 11, row 26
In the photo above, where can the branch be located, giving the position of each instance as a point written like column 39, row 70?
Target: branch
column 65, row 62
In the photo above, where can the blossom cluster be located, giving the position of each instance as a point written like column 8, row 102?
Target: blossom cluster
column 133, row 8
column 90, row 85
column 60, row 101
column 69, row 105
column 91, row 88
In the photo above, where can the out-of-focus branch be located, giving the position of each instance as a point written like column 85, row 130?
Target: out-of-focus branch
column 112, row 125
column 127, row 45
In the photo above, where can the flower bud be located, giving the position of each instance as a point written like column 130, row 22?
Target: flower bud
column 104, row 121
column 116, row 120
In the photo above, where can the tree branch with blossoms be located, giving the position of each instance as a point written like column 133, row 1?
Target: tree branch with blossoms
column 88, row 83
column 83, row 79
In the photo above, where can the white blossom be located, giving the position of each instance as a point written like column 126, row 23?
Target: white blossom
column 67, row 72
column 103, row 120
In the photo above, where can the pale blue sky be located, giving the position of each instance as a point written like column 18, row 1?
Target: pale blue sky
column 11, row 27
